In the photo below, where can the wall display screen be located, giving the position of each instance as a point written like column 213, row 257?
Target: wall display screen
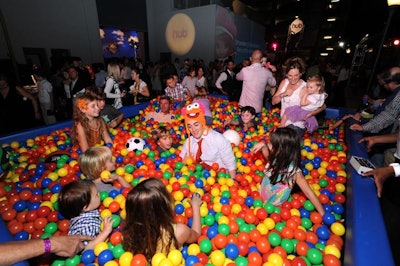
column 119, row 42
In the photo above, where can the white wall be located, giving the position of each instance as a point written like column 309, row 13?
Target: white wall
column 58, row 24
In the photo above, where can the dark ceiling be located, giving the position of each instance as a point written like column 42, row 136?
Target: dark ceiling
column 354, row 19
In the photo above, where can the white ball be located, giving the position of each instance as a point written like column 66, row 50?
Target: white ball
column 134, row 144
column 233, row 136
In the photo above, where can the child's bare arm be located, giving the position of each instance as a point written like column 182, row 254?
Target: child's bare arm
column 103, row 235
column 185, row 234
column 302, row 183
column 120, row 179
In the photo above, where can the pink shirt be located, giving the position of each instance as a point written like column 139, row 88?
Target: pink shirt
column 255, row 78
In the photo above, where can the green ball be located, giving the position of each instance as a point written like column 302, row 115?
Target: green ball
column 257, row 203
column 218, row 215
column 179, row 165
column 226, row 194
column 129, row 168
column 320, row 246
column 224, row 229
column 209, row 220
column 51, row 228
column 279, row 226
column 73, row 261
column 274, row 239
column 309, row 206
column 199, row 167
column 244, row 228
column 287, row 245
column 205, row 246
column 151, row 154
column 323, row 182
column 103, row 195
column 241, row 261
column 306, row 223
column 61, row 163
column 167, row 175
column 65, row 157
column 118, row 250
column 116, row 220
column 58, row 263
column 269, row 207
column 240, row 221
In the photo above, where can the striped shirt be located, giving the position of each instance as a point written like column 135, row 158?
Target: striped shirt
column 386, row 118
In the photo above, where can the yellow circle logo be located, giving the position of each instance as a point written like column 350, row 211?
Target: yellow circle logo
column 180, row 34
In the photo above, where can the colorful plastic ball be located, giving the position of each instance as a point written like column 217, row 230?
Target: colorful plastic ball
column 20, row 205
column 21, row 235
column 105, row 256
column 314, row 256
column 205, row 245
column 139, row 260
column 338, row 228
column 157, row 258
column 72, row 261
column 274, row 239
column 116, row 220
column 191, row 260
column 233, row 136
column 118, row 250
column 231, row 251
column 323, row 232
column 125, row 259
column 217, row 258
column 328, row 218
column 50, row 228
column 88, row 256
column 287, row 245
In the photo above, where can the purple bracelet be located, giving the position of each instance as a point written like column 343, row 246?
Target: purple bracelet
column 47, row 246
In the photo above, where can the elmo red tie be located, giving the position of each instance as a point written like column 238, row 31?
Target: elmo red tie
column 198, row 153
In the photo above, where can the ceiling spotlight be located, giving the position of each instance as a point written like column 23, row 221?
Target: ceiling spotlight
column 341, row 44
column 327, row 37
column 323, row 54
column 348, row 50
column 331, row 19
column 329, row 48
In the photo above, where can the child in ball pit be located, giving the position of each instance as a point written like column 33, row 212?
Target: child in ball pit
column 246, row 118
column 88, row 128
column 149, row 226
column 163, row 138
column 283, row 169
column 79, row 201
column 94, row 161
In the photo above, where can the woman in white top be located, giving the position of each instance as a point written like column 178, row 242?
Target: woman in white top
column 288, row 93
column 111, row 89
column 139, row 88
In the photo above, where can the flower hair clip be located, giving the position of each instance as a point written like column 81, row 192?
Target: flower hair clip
column 82, row 104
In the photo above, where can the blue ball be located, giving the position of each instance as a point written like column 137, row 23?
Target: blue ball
column 119, row 159
column 338, row 208
column 191, row 260
column 56, row 188
column 113, row 193
column 20, row 205
column 21, row 235
column 199, row 183
column 249, row 201
column 88, row 256
column 224, row 200
column 105, row 256
column 304, row 213
column 328, row 218
column 323, row 232
column 212, row 231
column 231, row 251
column 179, row 208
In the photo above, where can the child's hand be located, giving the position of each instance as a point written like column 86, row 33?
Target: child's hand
column 258, row 147
column 107, row 226
column 196, row 200
column 227, row 122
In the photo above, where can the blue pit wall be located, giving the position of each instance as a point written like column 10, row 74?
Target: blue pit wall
column 366, row 241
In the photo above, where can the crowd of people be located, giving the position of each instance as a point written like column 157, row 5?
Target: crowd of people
column 92, row 101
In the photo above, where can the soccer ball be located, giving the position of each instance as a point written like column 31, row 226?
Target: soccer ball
column 134, row 144
column 233, row 136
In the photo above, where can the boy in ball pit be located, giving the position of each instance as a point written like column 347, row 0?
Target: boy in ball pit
column 79, row 201
column 163, row 138
column 94, row 161
column 246, row 118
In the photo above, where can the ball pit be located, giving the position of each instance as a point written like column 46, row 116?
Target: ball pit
column 237, row 227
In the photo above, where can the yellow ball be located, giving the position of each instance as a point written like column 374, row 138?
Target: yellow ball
column 125, row 259
column 175, row 256
column 100, row 247
column 111, row 263
column 275, row 258
column 338, row 229
column 270, row 223
column 157, row 258
column 340, row 187
column 122, row 213
column 178, row 195
column 165, row 262
column 262, row 228
column 329, row 249
column 309, row 166
column 15, row 145
column 310, row 156
column 62, row 172
column 236, row 208
column 53, row 176
column 217, row 258
column 48, row 204
column 295, row 212
column 105, row 174
column 193, row 249
column 107, row 201
column 120, row 171
column 105, row 213
column 54, row 198
column 223, row 220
